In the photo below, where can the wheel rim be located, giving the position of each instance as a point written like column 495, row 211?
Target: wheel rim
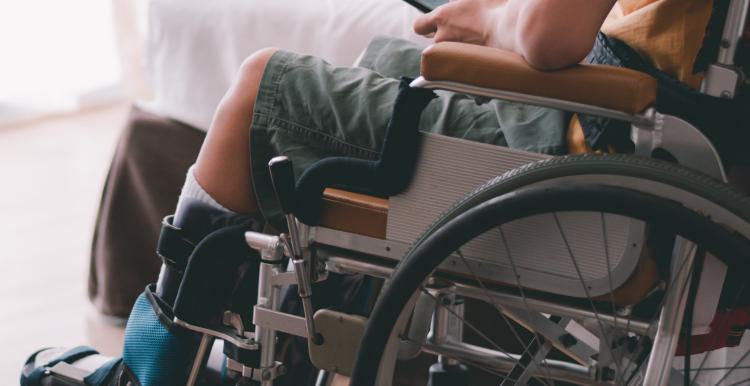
column 486, row 208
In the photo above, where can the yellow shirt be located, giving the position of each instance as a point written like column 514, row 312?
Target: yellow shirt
column 668, row 33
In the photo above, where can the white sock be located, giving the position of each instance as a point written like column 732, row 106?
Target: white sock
column 193, row 191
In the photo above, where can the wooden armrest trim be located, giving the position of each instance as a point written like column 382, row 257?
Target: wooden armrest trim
column 354, row 213
column 607, row 87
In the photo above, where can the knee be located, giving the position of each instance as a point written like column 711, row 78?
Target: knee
column 251, row 71
column 244, row 89
column 255, row 64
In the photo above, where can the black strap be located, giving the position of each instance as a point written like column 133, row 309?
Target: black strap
column 212, row 274
column 103, row 374
column 174, row 247
column 163, row 311
column 387, row 176
column 70, row 356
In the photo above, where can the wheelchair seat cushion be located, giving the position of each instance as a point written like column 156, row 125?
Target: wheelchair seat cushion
column 503, row 70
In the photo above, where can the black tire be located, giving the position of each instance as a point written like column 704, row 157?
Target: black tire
column 513, row 196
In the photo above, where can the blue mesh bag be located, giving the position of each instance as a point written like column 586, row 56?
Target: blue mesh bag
column 42, row 368
column 157, row 352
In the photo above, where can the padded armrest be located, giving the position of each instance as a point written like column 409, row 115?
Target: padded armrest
column 608, row 87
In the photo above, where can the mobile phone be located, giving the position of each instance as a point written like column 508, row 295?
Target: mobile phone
column 426, row 5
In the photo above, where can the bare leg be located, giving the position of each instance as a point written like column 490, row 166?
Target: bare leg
column 223, row 165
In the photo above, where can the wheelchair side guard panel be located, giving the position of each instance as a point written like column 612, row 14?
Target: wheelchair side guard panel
column 446, row 175
column 341, row 336
column 682, row 140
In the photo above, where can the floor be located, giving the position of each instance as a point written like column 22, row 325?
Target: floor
column 52, row 173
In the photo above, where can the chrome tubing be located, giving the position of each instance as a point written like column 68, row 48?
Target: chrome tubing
column 200, row 357
column 418, row 329
column 294, row 237
column 501, row 362
column 734, row 27
column 270, row 247
column 305, row 293
column 670, row 320
column 637, row 326
column 644, row 119
column 303, row 271
column 268, row 298
column 343, row 264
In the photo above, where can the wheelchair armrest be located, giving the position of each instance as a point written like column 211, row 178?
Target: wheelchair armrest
column 354, row 213
column 608, row 87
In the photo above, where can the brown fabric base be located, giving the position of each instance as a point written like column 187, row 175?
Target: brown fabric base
column 144, row 182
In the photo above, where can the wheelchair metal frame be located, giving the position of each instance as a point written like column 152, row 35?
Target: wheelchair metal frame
column 343, row 252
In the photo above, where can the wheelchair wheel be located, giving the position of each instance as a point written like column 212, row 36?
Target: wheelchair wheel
column 683, row 219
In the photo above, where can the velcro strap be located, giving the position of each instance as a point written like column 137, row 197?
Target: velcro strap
column 103, row 374
column 69, row 357
column 173, row 247
column 163, row 311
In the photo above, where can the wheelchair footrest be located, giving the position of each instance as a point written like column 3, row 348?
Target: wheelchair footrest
column 79, row 366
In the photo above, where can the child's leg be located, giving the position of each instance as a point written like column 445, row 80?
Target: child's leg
column 218, row 186
column 223, row 165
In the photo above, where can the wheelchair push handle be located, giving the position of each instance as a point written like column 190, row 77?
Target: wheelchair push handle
column 282, row 177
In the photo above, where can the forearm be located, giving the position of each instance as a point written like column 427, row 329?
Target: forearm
column 503, row 32
column 548, row 34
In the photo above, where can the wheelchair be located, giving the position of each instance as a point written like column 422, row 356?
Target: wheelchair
column 509, row 267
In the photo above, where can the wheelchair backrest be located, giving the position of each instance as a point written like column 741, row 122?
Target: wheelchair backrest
column 732, row 48
column 742, row 57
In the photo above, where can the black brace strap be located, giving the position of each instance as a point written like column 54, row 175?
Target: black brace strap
column 70, row 356
column 174, row 247
column 385, row 177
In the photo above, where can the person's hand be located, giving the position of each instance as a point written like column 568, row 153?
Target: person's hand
column 467, row 21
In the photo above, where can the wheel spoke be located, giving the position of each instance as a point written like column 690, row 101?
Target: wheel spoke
column 712, row 220
column 604, row 334
column 620, row 372
column 471, row 362
column 689, row 308
column 745, row 382
column 680, row 279
column 744, row 356
column 669, row 287
column 495, row 304
column 517, row 277
column 470, row 325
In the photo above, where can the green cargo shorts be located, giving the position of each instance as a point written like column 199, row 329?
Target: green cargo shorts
column 307, row 109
